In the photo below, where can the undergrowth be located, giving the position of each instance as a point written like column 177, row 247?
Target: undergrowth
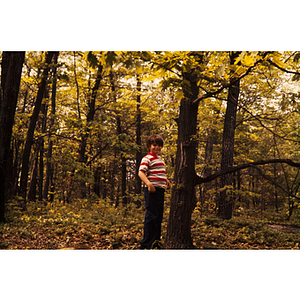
column 86, row 224
column 80, row 225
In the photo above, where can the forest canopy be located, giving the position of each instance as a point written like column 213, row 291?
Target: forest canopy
column 230, row 123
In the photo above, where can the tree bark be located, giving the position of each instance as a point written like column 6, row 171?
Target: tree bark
column 30, row 133
column 49, row 166
column 118, row 148
column 208, row 169
column 33, row 177
column 90, row 117
column 183, row 198
column 225, row 203
column 77, row 86
column 90, row 114
column 11, row 69
column 138, row 188
column 44, row 109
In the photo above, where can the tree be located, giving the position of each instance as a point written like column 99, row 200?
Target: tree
column 33, row 121
column 49, row 165
column 11, row 69
column 138, row 158
column 107, row 103
column 89, row 119
column 225, row 202
column 183, row 200
column 183, row 192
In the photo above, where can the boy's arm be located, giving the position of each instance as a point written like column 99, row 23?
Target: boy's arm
column 144, row 178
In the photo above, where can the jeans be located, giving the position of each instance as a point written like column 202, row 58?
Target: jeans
column 154, row 204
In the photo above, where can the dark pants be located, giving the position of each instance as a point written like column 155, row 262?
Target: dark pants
column 154, row 203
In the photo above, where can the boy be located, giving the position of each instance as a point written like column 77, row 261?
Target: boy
column 152, row 172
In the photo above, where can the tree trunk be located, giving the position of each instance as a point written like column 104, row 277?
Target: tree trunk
column 44, row 109
column 112, row 181
column 38, row 164
column 183, row 192
column 225, row 203
column 124, row 183
column 90, row 114
column 207, row 169
column 30, row 133
column 33, row 177
column 49, row 166
column 118, row 148
column 11, row 69
column 77, row 86
column 90, row 117
column 97, row 178
column 138, row 187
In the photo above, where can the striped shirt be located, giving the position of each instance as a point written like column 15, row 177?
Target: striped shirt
column 155, row 170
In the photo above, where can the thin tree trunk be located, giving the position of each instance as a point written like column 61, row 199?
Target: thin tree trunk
column 113, row 170
column 138, row 187
column 77, row 86
column 30, row 133
column 11, row 69
column 118, row 149
column 49, row 165
column 38, row 164
column 124, row 182
column 97, row 178
column 44, row 109
column 33, row 177
column 90, row 117
column 41, row 169
column 207, row 169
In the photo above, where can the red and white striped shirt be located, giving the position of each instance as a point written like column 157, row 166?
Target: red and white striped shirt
column 155, row 170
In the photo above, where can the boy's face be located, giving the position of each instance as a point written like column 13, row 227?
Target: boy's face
column 155, row 149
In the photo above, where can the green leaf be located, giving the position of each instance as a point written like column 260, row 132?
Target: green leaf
column 111, row 57
column 92, row 59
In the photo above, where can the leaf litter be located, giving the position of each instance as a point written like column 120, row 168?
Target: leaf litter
column 99, row 225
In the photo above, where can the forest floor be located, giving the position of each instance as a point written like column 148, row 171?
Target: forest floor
column 98, row 225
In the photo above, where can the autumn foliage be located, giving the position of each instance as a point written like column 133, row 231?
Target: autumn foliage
column 76, row 133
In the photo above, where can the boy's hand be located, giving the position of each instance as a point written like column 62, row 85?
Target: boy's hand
column 144, row 178
column 168, row 184
column 151, row 188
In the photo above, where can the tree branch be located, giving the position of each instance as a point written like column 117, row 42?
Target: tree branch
column 97, row 154
column 276, row 184
column 227, row 85
column 245, row 166
column 282, row 69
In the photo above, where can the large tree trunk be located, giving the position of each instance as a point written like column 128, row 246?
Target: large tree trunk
column 183, row 192
column 11, row 69
column 30, row 133
column 225, row 203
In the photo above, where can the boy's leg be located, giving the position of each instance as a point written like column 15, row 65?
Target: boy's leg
column 160, row 211
column 153, row 218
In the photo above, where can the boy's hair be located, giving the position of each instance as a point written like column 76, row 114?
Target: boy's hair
column 155, row 139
